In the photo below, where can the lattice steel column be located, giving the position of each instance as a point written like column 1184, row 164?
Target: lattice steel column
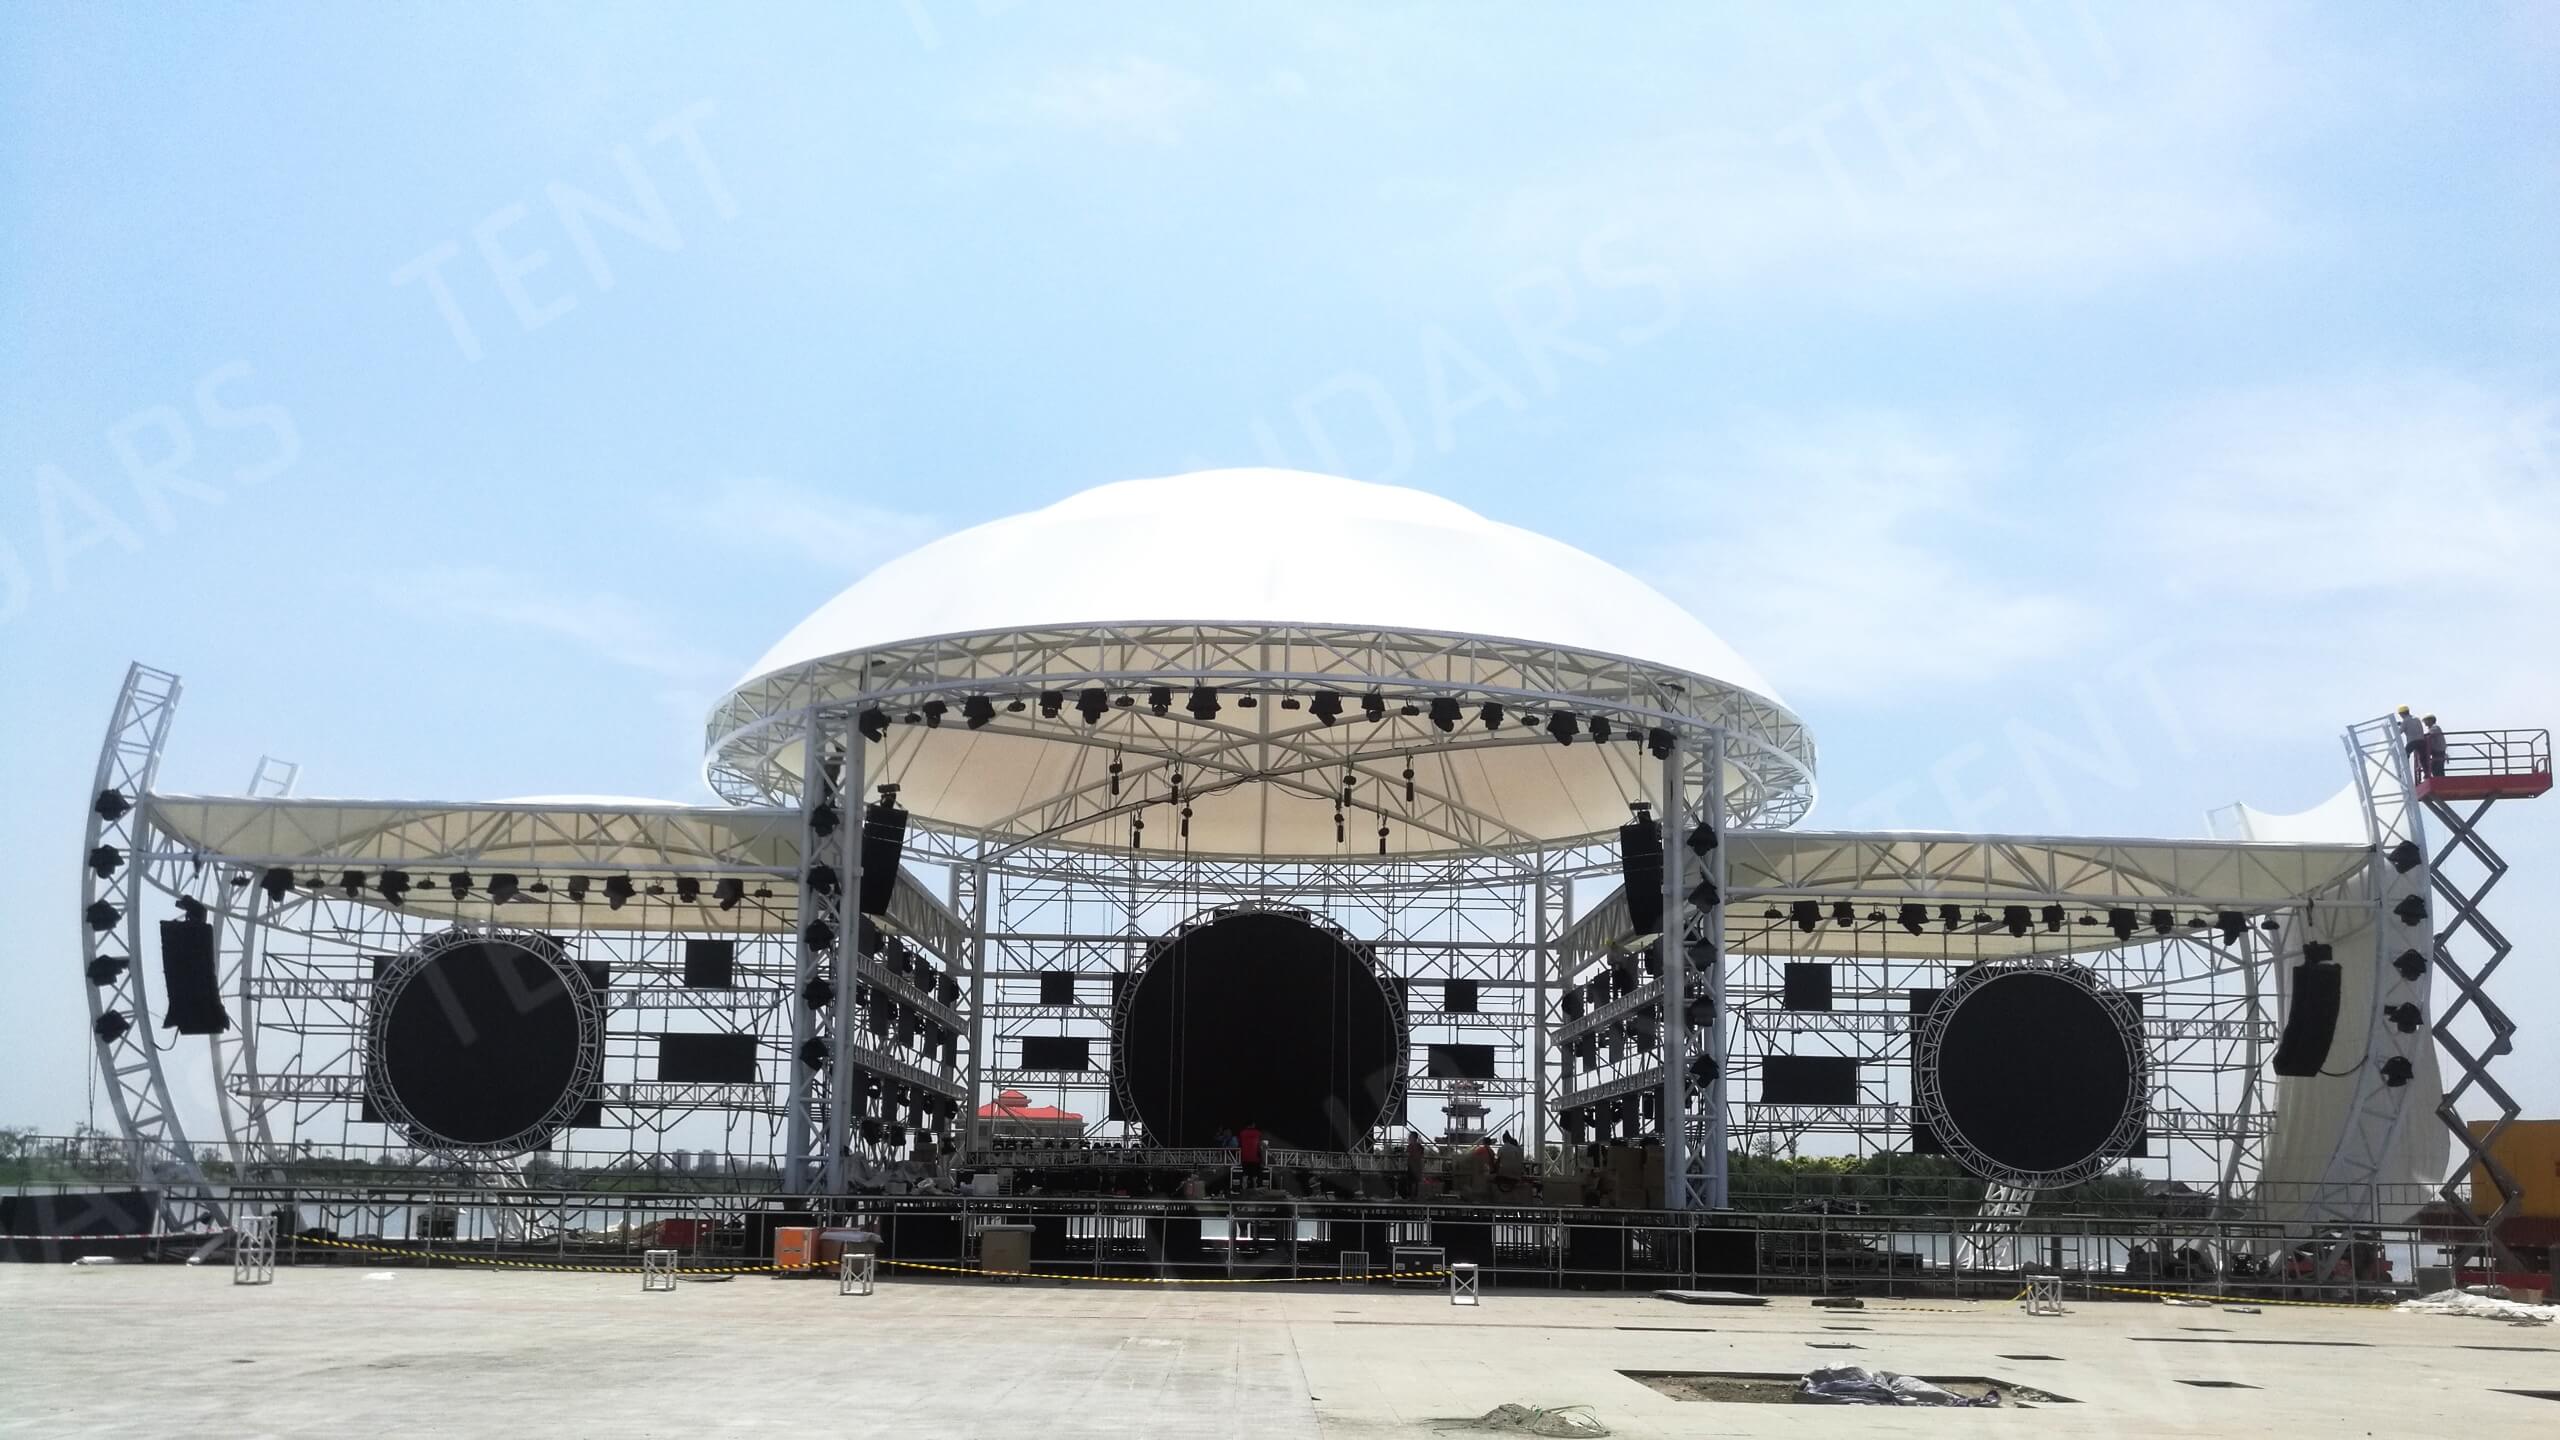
column 820, row 816
column 118, row 839
column 845, row 854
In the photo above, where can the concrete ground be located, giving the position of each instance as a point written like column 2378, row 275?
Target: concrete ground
column 168, row 1350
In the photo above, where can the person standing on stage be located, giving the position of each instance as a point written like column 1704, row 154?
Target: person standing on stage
column 1412, row 1165
column 2413, row 737
column 1249, row 1152
column 2435, row 746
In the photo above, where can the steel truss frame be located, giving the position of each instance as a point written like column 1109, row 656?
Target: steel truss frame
column 128, row 1058
column 1770, row 752
column 2386, row 785
column 585, row 1071
column 1932, row 1105
column 297, row 965
column 1124, row 1100
column 2208, row 1007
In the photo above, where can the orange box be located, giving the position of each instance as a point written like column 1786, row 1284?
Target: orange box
column 795, row 1247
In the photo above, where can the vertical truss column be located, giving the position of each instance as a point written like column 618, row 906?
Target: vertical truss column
column 2470, row 989
column 2397, row 891
column 820, row 816
column 970, row 898
column 1550, row 915
column 1693, row 1153
column 1703, row 933
column 119, row 840
column 847, row 860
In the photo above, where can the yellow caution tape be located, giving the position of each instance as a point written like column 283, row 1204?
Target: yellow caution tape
column 2239, row 1300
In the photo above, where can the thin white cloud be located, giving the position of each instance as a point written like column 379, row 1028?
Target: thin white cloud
column 1130, row 98
column 2022, row 149
column 507, row 609
column 1853, row 556
column 2339, row 547
column 841, row 536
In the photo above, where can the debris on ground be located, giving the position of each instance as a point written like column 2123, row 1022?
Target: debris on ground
column 2485, row 1307
column 1858, row 1385
column 1564, row 1422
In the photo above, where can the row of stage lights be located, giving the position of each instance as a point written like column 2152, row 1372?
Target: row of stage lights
column 1807, row 916
column 1204, row 703
column 393, row 886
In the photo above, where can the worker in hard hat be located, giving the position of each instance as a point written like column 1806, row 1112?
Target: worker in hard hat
column 2413, row 737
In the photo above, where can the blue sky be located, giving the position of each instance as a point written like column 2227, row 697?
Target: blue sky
column 2081, row 412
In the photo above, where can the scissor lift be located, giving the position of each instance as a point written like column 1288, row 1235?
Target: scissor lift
column 2480, row 768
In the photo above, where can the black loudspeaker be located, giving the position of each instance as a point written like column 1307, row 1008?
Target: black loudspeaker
column 1057, row 987
column 707, row 1059
column 2313, row 1021
column 1458, row 997
column 1640, row 865
column 1461, row 1062
column 187, row 979
column 1808, row 985
column 1808, row 1080
column 884, row 839
column 710, row 964
column 1056, row 1052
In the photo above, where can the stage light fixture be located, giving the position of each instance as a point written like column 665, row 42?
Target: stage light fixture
column 874, row 724
column 1091, row 703
column 102, row 917
column 1015, row 706
column 2406, row 856
column 2403, row 1015
column 1807, row 915
column 459, row 882
column 1289, row 702
column 2396, row 1071
column 277, row 883
column 191, row 910
column 1703, row 1071
column 1599, row 729
column 1704, row 895
column 1659, row 742
column 1160, row 700
column 978, row 711
column 1490, row 714
column 2233, row 925
column 2121, row 921
column 2162, row 922
column 1051, row 702
column 1246, row 702
column 729, row 892
column 819, row 993
column 577, row 889
column 106, row 969
column 818, row 935
column 111, row 805
column 2053, row 918
column 1773, row 913
column 503, row 888
column 1949, row 917
column 933, row 711
column 1444, row 714
column 1562, row 727
column 1203, row 703
column 105, row 861
column 688, row 889
column 1326, row 707
column 1912, row 918
column 351, row 883
column 111, row 1026
column 2410, row 964
column 618, row 890
column 813, row 1052
column 393, row 887
column 1702, row 838
column 1843, row 913
column 1374, row 706
column 824, row 818
column 2013, row 918
column 2410, row 910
